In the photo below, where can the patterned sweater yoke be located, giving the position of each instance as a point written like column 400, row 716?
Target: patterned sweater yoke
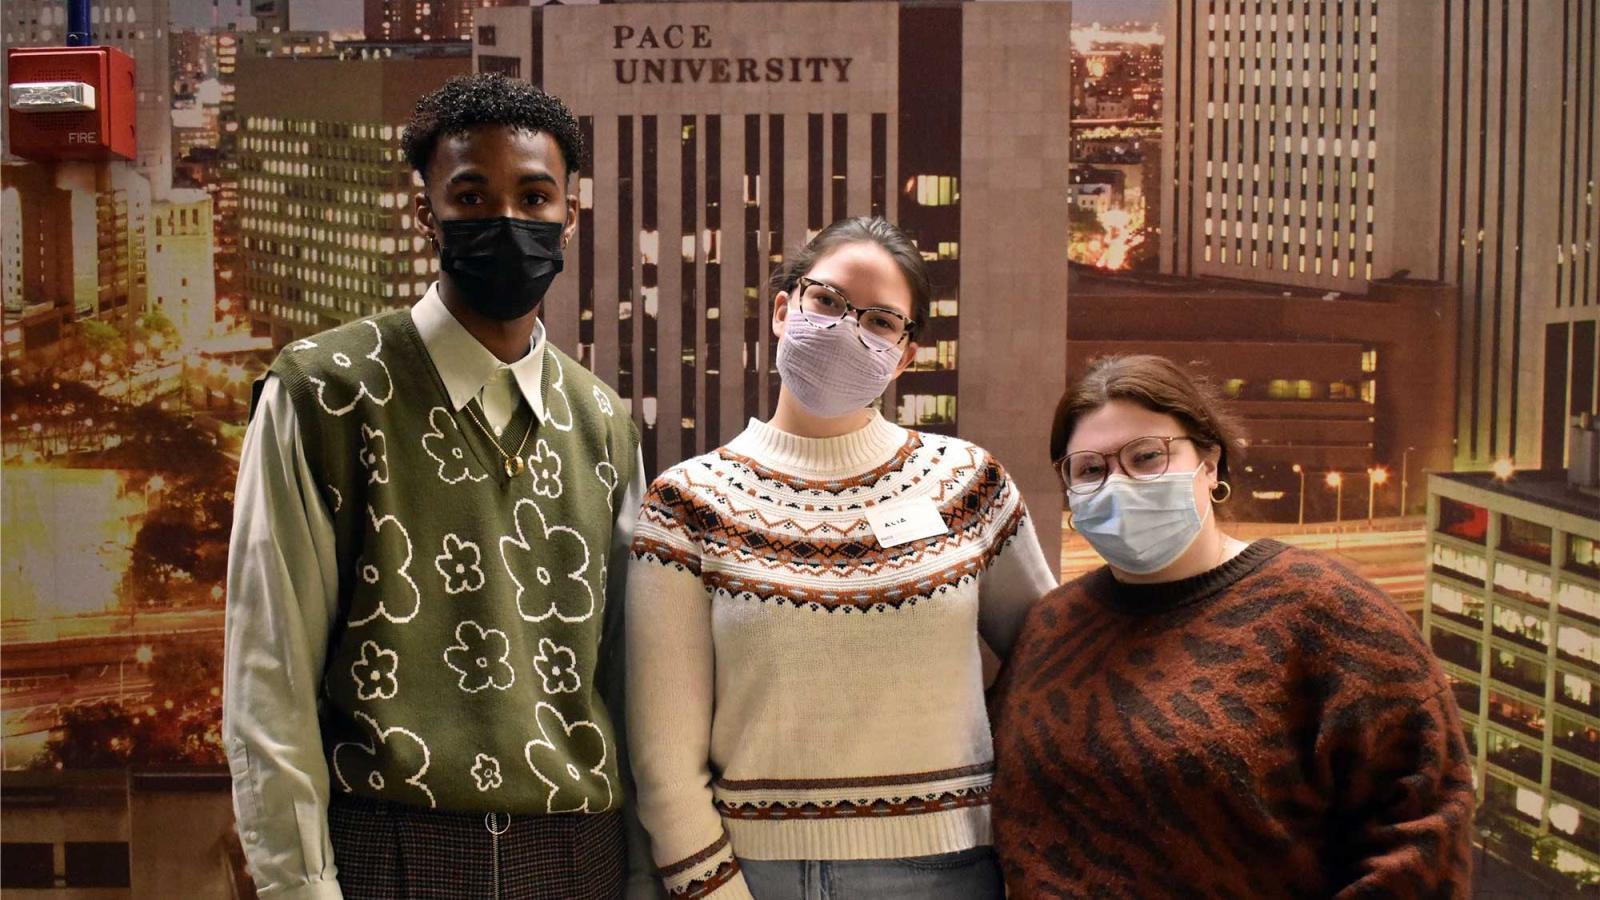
column 799, row 690
column 464, row 672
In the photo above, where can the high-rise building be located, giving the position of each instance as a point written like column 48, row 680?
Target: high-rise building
column 76, row 248
column 325, row 195
column 723, row 136
column 1518, row 218
column 1296, row 132
column 137, row 28
column 423, row 20
column 1513, row 613
column 1326, row 144
column 182, row 281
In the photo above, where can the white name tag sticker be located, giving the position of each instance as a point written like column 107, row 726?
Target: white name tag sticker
column 905, row 521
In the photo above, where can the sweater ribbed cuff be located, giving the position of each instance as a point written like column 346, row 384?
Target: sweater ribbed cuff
column 713, row 872
column 898, row 837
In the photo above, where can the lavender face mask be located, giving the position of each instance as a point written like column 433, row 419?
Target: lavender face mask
column 828, row 371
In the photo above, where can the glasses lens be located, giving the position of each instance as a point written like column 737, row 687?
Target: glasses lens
column 1146, row 458
column 821, row 305
column 1083, row 472
column 885, row 326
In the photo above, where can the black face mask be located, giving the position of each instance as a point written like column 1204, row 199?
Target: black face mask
column 500, row 267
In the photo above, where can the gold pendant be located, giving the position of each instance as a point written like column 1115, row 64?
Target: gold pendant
column 514, row 466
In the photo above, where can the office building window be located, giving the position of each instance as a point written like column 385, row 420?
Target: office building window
column 1577, row 600
column 1528, row 540
column 1513, row 755
column 1459, row 649
column 1583, row 557
column 1515, row 714
column 1523, row 628
column 27, row 865
column 934, row 190
column 1457, row 605
column 1573, row 781
column 1576, row 737
column 97, row 864
column 1467, row 694
column 1518, row 671
column 1516, row 581
column 1578, row 645
column 1504, row 797
column 1460, row 565
column 1463, row 520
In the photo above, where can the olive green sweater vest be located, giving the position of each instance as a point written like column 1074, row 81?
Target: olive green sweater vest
column 464, row 671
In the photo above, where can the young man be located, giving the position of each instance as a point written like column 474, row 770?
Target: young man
column 430, row 533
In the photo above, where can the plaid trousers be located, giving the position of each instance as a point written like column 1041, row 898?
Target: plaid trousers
column 386, row 851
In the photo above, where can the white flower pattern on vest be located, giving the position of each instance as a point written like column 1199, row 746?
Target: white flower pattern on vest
column 392, row 595
column 486, row 772
column 608, row 476
column 565, row 595
column 445, row 445
column 479, row 657
column 460, row 565
column 357, row 763
column 558, row 409
column 376, row 673
column 544, row 470
column 570, row 760
column 557, row 667
column 602, row 402
column 371, row 378
column 373, row 457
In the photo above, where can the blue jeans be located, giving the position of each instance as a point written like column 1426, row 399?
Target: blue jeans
column 963, row 875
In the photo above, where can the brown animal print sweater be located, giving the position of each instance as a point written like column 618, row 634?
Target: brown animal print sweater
column 1272, row 728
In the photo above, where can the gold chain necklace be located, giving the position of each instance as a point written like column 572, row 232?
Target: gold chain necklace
column 514, row 465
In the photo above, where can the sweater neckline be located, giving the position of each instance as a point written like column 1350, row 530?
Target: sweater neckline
column 821, row 458
column 1144, row 599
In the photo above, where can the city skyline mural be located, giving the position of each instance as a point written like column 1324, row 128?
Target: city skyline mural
column 1374, row 225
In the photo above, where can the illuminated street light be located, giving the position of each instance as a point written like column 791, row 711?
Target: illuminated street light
column 1503, row 469
column 1376, row 475
column 144, row 654
column 1335, row 480
column 1298, row 470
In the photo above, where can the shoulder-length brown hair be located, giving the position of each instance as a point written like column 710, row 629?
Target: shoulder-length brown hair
column 1159, row 385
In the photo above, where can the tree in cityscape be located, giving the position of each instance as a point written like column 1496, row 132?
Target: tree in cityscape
column 177, row 724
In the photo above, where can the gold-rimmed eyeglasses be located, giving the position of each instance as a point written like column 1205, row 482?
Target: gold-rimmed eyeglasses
column 1142, row 459
column 824, row 306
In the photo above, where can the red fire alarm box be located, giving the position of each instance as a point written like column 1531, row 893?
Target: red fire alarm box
column 70, row 103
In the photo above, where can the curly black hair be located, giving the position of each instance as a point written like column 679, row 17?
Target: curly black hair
column 466, row 102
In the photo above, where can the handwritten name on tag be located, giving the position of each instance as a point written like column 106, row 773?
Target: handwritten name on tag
column 905, row 521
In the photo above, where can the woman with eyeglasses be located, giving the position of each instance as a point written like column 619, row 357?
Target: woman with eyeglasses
column 805, row 690
column 1207, row 718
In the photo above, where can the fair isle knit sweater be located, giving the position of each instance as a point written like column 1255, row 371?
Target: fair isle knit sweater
column 795, row 689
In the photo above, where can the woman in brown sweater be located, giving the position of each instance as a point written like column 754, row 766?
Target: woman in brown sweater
column 1206, row 718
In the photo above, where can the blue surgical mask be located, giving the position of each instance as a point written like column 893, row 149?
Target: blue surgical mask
column 1140, row 526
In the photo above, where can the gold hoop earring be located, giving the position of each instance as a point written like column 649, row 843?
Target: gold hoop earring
column 1070, row 526
column 1227, row 491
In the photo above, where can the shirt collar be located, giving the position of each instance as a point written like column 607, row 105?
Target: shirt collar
column 465, row 364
